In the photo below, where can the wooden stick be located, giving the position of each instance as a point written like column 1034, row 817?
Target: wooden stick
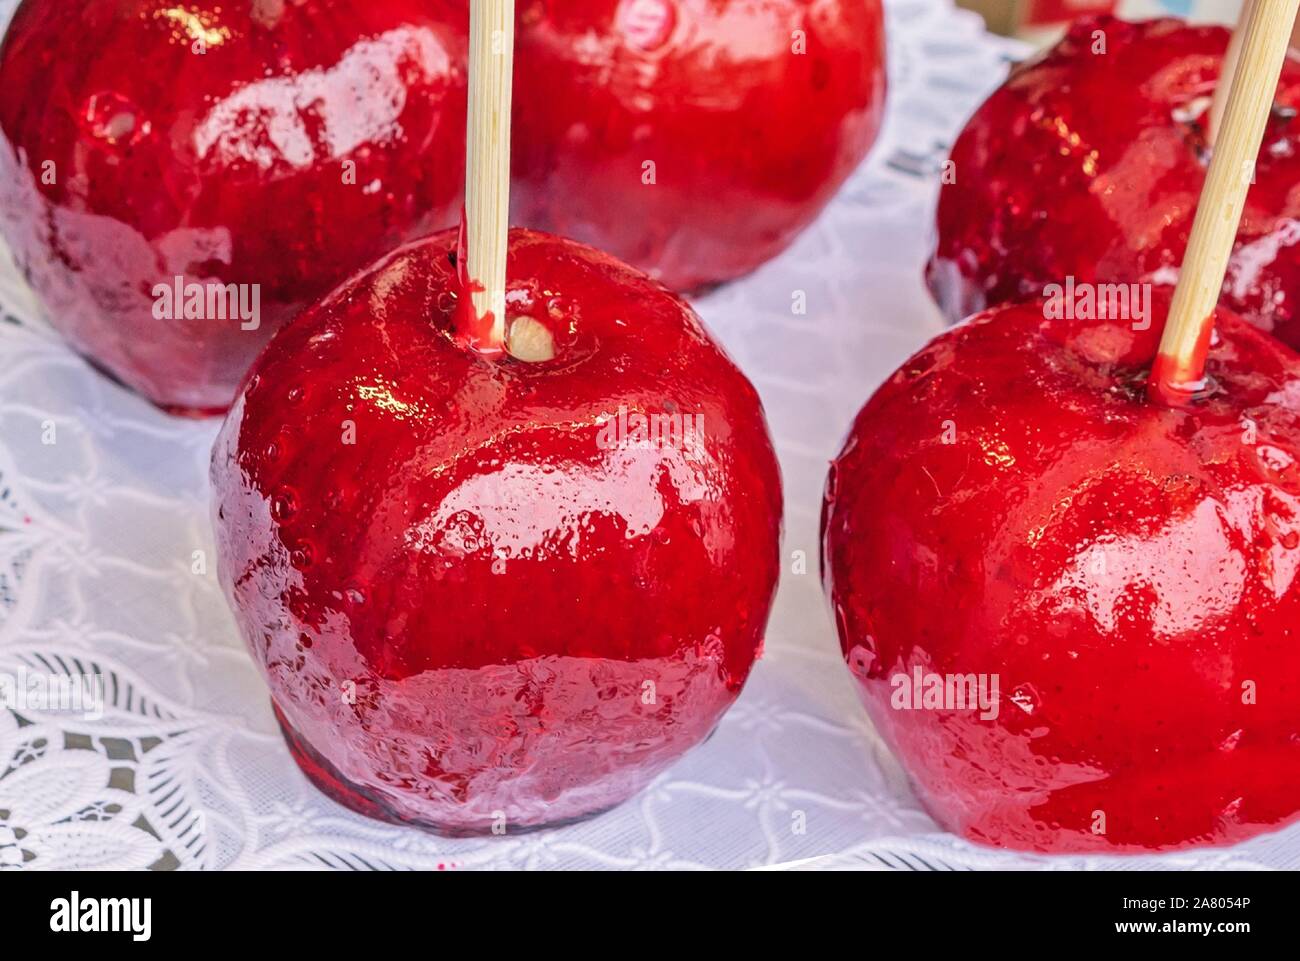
column 487, row 166
column 1229, row 70
column 1180, row 365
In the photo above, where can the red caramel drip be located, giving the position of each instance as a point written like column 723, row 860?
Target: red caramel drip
column 1176, row 381
column 470, row 328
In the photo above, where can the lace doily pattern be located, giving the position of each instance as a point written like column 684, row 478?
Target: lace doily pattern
column 106, row 573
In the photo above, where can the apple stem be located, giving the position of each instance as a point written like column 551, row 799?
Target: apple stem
column 1228, row 71
column 486, row 224
column 1179, row 369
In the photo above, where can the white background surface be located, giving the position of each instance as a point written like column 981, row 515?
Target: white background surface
column 187, row 768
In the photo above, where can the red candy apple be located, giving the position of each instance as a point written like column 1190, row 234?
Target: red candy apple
column 176, row 182
column 692, row 138
column 1088, row 163
column 1012, row 515
column 497, row 591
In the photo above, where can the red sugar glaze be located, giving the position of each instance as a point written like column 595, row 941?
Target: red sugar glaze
column 749, row 138
column 223, row 167
column 1010, row 503
column 498, row 576
column 1090, row 165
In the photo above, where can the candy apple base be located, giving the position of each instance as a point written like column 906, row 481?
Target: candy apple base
column 329, row 781
column 1087, row 164
column 175, row 410
column 481, row 596
column 1011, row 506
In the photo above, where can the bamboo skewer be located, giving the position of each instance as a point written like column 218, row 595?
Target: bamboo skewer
column 487, row 165
column 1230, row 60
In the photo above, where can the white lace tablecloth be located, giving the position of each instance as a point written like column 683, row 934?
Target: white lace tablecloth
column 186, row 769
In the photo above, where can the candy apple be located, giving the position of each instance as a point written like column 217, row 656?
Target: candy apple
column 497, row 591
column 1011, row 516
column 1087, row 163
column 176, row 182
column 694, row 139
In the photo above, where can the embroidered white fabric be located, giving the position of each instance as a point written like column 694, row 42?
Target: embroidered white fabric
column 186, row 769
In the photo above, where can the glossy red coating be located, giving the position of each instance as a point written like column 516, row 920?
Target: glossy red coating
column 1011, row 504
column 752, row 113
column 1090, row 165
column 535, row 606
column 278, row 143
